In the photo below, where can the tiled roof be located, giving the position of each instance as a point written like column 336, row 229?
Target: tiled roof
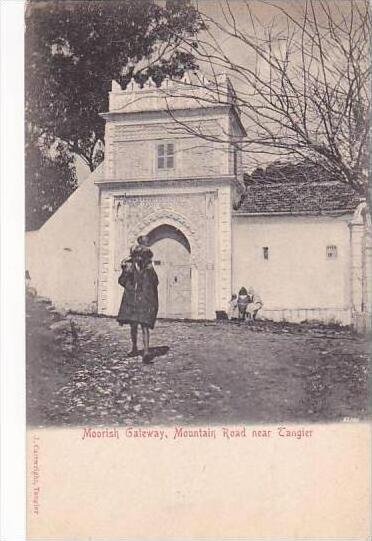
column 295, row 189
column 298, row 197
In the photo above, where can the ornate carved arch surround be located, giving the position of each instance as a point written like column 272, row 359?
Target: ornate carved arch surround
column 191, row 213
column 188, row 213
column 172, row 218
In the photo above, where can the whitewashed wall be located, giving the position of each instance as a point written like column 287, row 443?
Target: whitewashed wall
column 298, row 282
column 62, row 255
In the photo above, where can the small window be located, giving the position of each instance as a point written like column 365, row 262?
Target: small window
column 331, row 251
column 265, row 251
column 157, row 262
column 165, row 156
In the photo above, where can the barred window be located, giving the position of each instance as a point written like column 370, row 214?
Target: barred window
column 165, row 158
column 331, row 251
column 265, row 252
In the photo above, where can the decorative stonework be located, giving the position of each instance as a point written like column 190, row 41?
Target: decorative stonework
column 158, row 130
column 104, row 259
column 170, row 217
column 109, row 150
column 125, row 217
column 135, row 197
column 172, row 94
column 187, row 211
column 224, row 236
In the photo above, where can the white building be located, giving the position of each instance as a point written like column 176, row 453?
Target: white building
column 304, row 246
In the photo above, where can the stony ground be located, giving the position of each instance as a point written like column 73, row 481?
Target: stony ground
column 78, row 372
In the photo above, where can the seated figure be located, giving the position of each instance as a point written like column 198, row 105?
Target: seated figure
column 233, row 311
column 255, row 304
column 243, row 301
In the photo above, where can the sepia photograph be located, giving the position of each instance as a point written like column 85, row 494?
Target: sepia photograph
column 198, row 228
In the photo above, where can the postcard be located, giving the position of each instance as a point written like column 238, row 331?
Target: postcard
column 197, row 269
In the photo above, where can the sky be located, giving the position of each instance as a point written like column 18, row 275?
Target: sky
column 219, row 12
column 215, row 9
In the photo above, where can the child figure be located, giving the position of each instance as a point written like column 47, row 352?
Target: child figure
column 141, row 248
column 137, row 253
column 233, row 312
column 243, row 301
column 255, row 304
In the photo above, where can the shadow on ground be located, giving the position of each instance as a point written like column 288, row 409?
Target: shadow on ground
column 78, row 372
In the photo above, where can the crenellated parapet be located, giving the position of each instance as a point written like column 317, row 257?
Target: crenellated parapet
column 192, row 91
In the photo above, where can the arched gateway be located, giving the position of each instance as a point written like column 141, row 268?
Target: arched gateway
column 172, row 261
column 162, row 180
column 158, row 178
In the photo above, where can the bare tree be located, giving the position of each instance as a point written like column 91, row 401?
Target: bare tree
column 303, row 87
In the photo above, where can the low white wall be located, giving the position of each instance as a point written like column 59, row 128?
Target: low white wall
column 297, row 282
column 62, row 256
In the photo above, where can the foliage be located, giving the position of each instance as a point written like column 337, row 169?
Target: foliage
column 75, row 48
column 302, row 74
column 50, row 179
